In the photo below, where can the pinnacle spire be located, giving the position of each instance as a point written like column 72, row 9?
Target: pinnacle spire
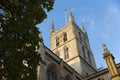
column 83, row 28
column 71, row 18
column 109, row 58
column 106, row 51
column 105, row 48
column 52, row 27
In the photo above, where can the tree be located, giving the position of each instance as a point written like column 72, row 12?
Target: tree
column 19, row 37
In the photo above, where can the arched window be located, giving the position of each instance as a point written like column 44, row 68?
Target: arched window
column 57, row 53
column 66, row 53
column 89, row 57
column 64, row 36
column 57, row 41
column 80, row 36
column 83, row 50
column 51, row 73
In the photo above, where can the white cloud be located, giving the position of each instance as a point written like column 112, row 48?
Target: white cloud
column 111, row 19
column 89, row 21
column 105, row 36
column 92, row 24
column 114, row 10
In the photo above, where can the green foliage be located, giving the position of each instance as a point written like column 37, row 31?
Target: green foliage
column 19, row 37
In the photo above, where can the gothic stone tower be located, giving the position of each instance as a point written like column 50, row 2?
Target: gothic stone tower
column 72, row 45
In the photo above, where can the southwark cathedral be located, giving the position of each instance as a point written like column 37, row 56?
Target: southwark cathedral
column 70, row 56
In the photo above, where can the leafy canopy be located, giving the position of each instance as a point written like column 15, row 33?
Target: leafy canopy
column 19, row 37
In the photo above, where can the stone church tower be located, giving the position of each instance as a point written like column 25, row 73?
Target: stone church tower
column 71, row 44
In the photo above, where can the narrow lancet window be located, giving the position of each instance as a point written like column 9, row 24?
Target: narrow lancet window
column 57, row 41
column 66, row 53
column 64, row 36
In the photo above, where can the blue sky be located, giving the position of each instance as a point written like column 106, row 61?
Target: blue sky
column 100, row 17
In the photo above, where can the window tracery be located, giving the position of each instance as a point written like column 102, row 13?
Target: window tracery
column 64, row 36
column 57, row 41
column 66, row 53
